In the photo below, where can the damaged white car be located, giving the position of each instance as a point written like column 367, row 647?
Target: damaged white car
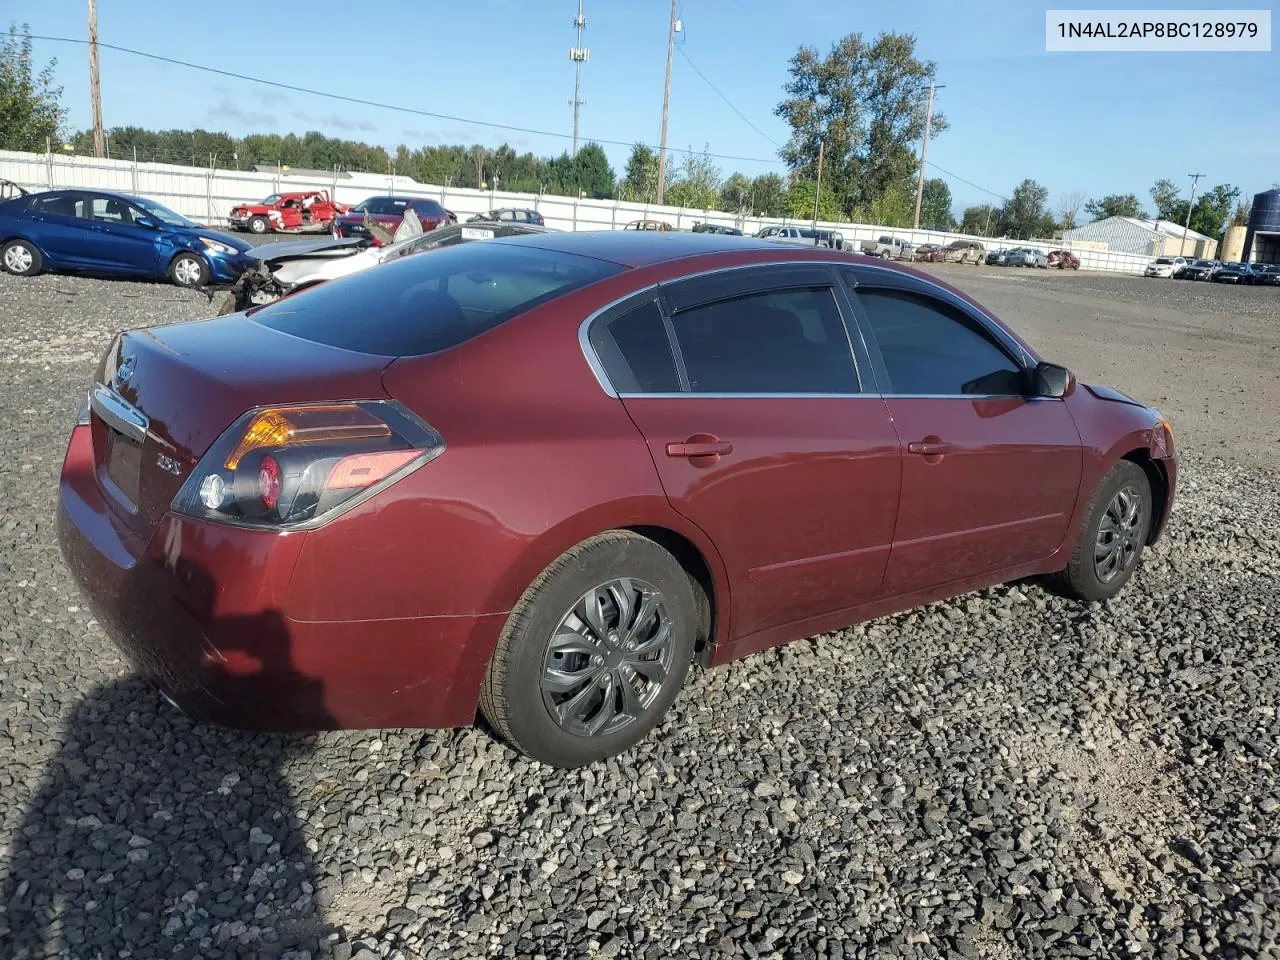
column 289, row 267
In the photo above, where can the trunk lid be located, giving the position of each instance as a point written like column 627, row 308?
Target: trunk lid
column 164, row 395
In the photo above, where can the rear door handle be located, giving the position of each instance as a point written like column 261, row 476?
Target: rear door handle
column 930, row 447
column 700, row 445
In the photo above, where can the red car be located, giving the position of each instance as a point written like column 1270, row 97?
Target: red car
column 930, row 253
column 389, row 211
column 1063, row 260
column 542, row 475
column 309, row 212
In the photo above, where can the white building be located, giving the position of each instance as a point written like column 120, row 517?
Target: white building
column 1152, row 238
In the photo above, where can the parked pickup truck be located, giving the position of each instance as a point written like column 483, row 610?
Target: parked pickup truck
column 889, row 248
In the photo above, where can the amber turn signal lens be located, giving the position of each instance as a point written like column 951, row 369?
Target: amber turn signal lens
column 288, row 426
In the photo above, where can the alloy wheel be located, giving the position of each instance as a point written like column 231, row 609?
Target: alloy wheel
column 1117, row 544
column 608, row 658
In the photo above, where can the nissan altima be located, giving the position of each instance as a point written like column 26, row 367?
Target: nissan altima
column 542, row 476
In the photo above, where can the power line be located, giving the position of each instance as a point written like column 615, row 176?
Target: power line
column 360, row 101
column 956, row 176
column 727, row 101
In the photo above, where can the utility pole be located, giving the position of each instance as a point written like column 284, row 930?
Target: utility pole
column 95, row 89
column 924, row 151
column 579, row 55
column 666, row 104
column 1195, row 178
column 817, row 190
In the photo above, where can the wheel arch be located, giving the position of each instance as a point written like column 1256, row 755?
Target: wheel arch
column 690, row 547
column 1158, row 479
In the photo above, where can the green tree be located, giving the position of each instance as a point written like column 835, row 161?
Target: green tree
column 697, row 185
column 1212, row 209
column 1115, row 205
column 1069, row 210
column 31, row 108
column 735, row 193
column 1025, row 215
column 769, row 195
column 800, row 202
column 1164, row 194
column 935, row 205
column 865, row 103
column 639, row 183
column 1240, row 218
column 976, row 220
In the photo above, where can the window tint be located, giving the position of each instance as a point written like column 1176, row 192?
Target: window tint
column 635, row 352
column 59, row 205
column 111, row 210
column 784, row 341
column 931, row 348
column 418, row 305
column 428, row 208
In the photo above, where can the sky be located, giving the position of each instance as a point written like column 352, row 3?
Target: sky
column 1090, row 123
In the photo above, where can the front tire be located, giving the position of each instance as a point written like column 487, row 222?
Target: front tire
column 21, row 258
column 1109, row 544
column 594, row 653
column 259, row 225
column 189, row 270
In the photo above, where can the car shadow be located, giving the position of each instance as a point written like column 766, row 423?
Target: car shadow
column 156, row 835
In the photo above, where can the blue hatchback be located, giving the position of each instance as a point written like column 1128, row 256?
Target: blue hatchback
column 117, row 235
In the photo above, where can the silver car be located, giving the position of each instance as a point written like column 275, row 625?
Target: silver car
column 1026, row 257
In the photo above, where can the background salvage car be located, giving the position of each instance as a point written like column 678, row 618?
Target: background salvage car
column 387, row 212
column 308, row 212
column 115, row 234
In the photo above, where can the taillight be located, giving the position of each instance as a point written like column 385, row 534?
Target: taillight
column 302, row 464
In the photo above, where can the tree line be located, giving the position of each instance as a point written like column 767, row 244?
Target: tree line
column 860, row 106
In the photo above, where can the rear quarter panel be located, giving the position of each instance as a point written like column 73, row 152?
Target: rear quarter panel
column 538, row 459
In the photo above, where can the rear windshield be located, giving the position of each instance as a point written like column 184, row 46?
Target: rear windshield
column 381, row 206
column 424, row 304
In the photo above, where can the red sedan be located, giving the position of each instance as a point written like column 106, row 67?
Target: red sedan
column 389, row 211
column 542, row 475
column 1063, row 260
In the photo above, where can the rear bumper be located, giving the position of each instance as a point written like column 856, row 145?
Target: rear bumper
column 201, row 610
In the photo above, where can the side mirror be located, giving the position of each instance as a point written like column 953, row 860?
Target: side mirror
column 148, row 222
column 1051, row 380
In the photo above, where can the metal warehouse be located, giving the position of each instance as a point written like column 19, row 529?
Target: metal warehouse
column 1152, row 238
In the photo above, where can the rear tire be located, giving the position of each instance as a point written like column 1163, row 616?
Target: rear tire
column 259, row 225
column 1110, row 541
column 579, row 644
column 21, row 258
column 189, row 270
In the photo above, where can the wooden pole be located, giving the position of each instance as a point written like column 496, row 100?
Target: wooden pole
column 95, row 87
column 666, row 104
column 924, row 151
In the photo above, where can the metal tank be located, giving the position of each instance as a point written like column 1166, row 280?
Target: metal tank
column 1262, row 240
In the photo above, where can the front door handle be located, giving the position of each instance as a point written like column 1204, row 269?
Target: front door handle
column 930, row 447
column 701, row 449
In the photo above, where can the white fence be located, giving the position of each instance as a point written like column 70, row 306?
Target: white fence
column 207, row 195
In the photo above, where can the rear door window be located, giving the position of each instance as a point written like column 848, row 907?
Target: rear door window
column 72, row 205
column 418, row 305
column 790, row 341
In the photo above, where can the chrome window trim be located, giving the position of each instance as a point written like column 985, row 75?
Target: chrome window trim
column 988, row 321
column 831, row 396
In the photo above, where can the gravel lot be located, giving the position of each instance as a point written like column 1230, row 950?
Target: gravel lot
column 1002, row 776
